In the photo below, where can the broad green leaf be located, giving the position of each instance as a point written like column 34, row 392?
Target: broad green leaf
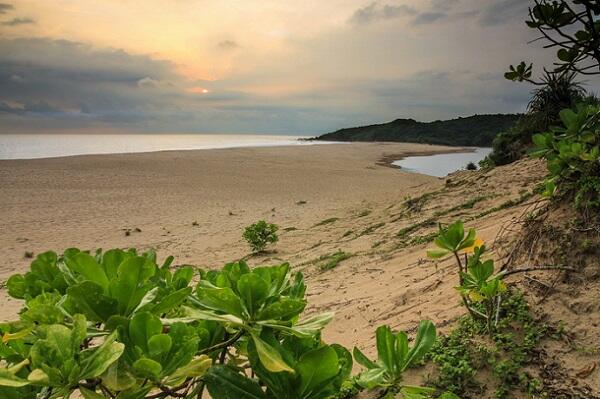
column 192, row 314
column 270, row 357
column 16, row 285
column 344, row 361
column 79, row 332
column 220, row 299
column 454, row 234
column 225, row 383
column 183, row 276
column 147, row 368
column 89, row 299
column 373, row 378
column 253, row 290
column 85, row 265
column 412, row 392
column 8, row 379
column 568, row 117
column 142, row 327
column 87, row 394
column 284, row 309
column 448, row 395
column 386, row 343
column 437, row 253
column 196, row 368
column 38, row 377
column 315, row 368
column 363, row 360
column 313, row 324
column 171, row 301
column 129, row 288
column 159, row 344
column 102, row 357
column 117, row 378
column 112, row 259
column 424, row 340
column 401, row 347
column 304, row 329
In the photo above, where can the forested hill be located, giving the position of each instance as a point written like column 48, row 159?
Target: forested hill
column 476, row 130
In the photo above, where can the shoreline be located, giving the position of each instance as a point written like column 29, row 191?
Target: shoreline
column 88, row 144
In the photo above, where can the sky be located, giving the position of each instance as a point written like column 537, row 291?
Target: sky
column 256, row 66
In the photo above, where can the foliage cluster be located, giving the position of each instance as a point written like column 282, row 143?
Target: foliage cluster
column 116, row 324
column 557, row 92
column 480, row 289
column 572, row 154
column 476, row 130
column 462, row 355
column 261, row 234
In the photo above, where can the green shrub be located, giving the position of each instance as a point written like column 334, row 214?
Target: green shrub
column 261, row 234
column 116, row 324
column 572, row 154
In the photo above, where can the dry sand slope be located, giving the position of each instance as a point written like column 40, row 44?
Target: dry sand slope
column 191, row 204
column 326, row 199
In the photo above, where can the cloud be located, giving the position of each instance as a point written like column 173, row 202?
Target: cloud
column 429, row 17
column 18, row 21
column 5, row 8
column 228, row 45
column 376, row 11
column 504, row 11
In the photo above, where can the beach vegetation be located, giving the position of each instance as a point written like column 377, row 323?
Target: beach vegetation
column 327, row 221
column 331, row 261
column 117, row 324
column 572, row 155
column 471, row 166
column 261, row 234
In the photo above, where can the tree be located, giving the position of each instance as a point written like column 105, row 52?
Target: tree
column 573, row 27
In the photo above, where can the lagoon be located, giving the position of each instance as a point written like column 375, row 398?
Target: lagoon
column 440, row 165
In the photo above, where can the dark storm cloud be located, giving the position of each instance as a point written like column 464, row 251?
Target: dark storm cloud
column 51, row 76
column 4, row 8
column 377, row 11
column 18, row 21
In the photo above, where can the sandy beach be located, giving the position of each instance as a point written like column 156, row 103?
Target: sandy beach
column 327, row 200
column 191, row 204
column 194, row 205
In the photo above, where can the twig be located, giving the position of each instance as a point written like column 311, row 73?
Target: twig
column 534, row 269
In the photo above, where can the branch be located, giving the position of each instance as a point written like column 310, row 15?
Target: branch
column 534, row 269
column 223, row 344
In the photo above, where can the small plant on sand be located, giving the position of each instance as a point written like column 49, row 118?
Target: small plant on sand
column 480, row 290
column 471, row 166
column 394, row 357
column 261, row 234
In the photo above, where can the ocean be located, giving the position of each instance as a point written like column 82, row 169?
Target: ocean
column 29, row 146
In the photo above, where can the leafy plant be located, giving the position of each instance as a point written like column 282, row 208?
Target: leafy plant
column 572, row 154
column 117, row 325
column 572, row 27
column 260, row 234
column 394, row 357
column 471, row 166
column 477, row 282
